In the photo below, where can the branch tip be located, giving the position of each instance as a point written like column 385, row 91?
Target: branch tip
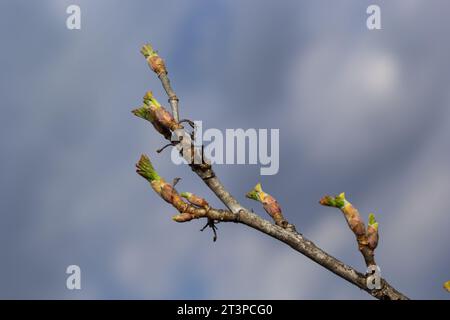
column 255, row 192
column 164, row 123
column 185, row 194
column 270, row 204
column 372, row 222
column 150, row 99
column 182, row 217
column 142, row 112
column 336, row 202
column 447, row 286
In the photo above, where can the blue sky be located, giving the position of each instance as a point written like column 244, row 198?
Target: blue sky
column 365, row 112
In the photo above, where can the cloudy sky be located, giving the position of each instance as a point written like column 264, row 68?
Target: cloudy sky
column 360, row 111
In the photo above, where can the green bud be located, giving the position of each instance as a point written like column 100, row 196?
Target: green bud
column 150, row 99
column 447, row 286
column 147, row 51
column 186, row 195
column 254, row 193
column 145, row 168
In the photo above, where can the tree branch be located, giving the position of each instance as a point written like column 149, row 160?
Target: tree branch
column 237, row 213
column 367, row 239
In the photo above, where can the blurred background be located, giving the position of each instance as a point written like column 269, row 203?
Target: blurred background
column 360, row 111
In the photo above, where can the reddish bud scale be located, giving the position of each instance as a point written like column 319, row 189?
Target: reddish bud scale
column 354, row 220
column 157, row 64
column 367, row 239
column 272, row 207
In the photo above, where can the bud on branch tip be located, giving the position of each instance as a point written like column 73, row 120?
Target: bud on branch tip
column 255, row 193
column 338, row 202
column 182, row 217
column 155, row 62
column 372, row 222
column 150, row 99
column 142, row 112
